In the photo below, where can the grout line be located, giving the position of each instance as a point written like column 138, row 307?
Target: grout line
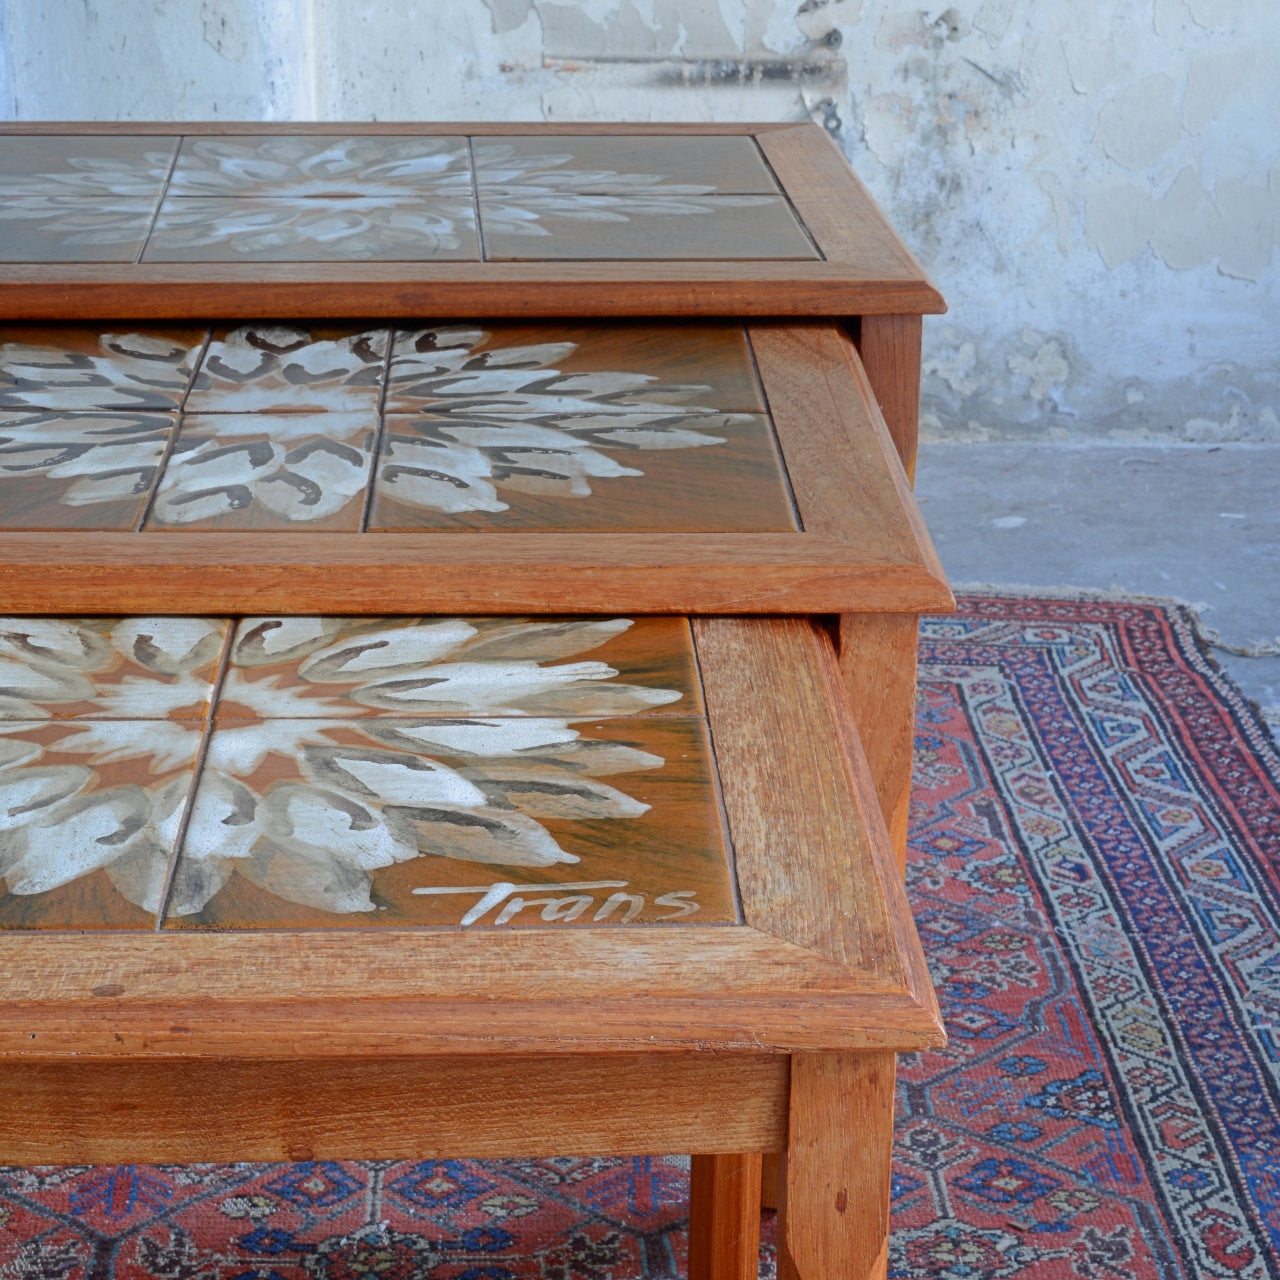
column 378, row 431
column 180, row 837
column 475, row 199
column 172, row 442
column 164, row 191
column 774, row 443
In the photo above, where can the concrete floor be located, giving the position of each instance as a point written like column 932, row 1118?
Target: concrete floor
column 1197, row 522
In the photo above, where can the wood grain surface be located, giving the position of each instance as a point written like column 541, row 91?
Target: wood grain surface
column 890, row 351
column 724, row 1217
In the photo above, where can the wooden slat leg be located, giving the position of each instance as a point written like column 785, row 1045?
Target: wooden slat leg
column 878, row 663
column 833, row 1222
column 890, row 351
column 724, row 1218
column 770, row 1172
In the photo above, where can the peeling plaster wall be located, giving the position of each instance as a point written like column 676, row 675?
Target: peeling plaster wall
column 1095, row 186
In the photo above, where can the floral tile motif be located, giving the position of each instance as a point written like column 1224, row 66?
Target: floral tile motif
column 267, row 471
column 623, row 164
column 73, row 228
column 312, row 229
column 279, row 368
column 85, row 165
column 329, row 667
column 323, row 165
column 476, row 822
column 89, row 813
column 61, row 470
column 131, row 669
column 67, row 368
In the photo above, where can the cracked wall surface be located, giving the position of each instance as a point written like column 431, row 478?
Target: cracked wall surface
column 1095, row 187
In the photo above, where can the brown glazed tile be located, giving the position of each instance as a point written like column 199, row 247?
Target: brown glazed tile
column 622, row 164
column 595, row 227
column 85, row 165
column 330, row 165
column 553, row 372
column 270, row 368
column 313, row 229
column 331, row 824
column 267, row 471
column 89, row 811
column 720, row 473
column 73, row 228
column 127, row 367
column 137, row 668
column 580, row 668
column 61, row 470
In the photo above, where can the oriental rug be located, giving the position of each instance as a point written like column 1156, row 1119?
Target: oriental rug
column 1095, row 872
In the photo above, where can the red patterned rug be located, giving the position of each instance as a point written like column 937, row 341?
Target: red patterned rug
column 1095, row 869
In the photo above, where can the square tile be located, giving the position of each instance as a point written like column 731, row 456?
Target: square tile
column 720, row 473
column 61, row 470
column 268, row 368
column 85, row 165
column 60, row 367
column 545, row 372
column 73, row 228
column 267, row 471
column 139, row 668
column 622, row 164
column 335, row 667
column 313, row 229
column 510, row 823
column 89, row 812
column 323, row 165
column 580, row 227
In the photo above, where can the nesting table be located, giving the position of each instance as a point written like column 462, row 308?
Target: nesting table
column 457, row 676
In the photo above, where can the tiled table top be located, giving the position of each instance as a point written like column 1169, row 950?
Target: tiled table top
column 316, row 198
column 313, row 772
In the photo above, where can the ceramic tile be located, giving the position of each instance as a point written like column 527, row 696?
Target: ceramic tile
column 268, row 368
column 719, row 473
column 552, row 372
column 333, row 667
column 648, row 169
column 89, row 812
column 59, row 367
column 73, row 228
column 137, row 668
column 329, row 165
column 582, row 227
column 313, row 229
column 84, row 165
column 507, row 823
column 62, row 470
column 267, row 471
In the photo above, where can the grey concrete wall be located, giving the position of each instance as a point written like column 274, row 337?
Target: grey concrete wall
column 1095, row 185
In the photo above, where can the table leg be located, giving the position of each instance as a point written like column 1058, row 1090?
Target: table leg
column 833, row 1221
column 890, row 351
column 770, row 1172
column 878, row 663
column 724, row 1217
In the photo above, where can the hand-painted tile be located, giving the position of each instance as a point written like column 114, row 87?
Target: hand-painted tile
column 73, row 228
column 270, row 368
column 333, row 667
column 606, row 474
column 89, row 813
column 580, row 227
column 108, row 668
column 323, row 165
column 58, row 367
column 646, row 168
column 62, row 470
column 313, row 229
column 85, row 164
column 506, row 823
column 549, row 373
column 267, row 471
